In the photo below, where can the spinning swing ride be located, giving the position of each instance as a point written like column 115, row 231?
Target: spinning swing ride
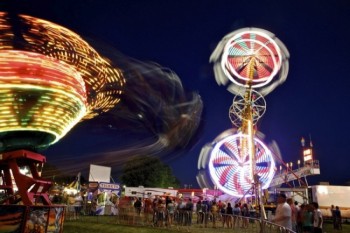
column 252, row 62
column 50, row 80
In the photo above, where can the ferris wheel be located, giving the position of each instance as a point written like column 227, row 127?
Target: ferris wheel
column 228, row 164
column 250, row 57
column 252, row 62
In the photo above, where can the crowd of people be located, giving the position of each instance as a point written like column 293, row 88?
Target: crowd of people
column 159, row 211
column 304, row 218
column 169, row 211
column 224, row 212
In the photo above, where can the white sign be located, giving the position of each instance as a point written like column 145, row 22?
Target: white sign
column 100, row 173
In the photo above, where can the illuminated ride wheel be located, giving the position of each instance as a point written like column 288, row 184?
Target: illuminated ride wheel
column 50, row 80
column 229, row 164
column 239, row 103
column 250, row 57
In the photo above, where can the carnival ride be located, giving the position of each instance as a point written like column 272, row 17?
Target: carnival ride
column 50, row 80
column 229, row 166
column 238, row 162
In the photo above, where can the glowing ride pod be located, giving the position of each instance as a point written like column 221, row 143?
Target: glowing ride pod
column 50, row 79
column 41, row 99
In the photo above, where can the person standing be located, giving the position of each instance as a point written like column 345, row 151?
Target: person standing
column 205, row 211
column 308, row 218
column 199, row 212
column 170, row 212
column 338, row 219
column 245, row 215
column 214, row 209
column 161, row 208
column 78, row 203
column 318, row 219
column 229, row 215
column 70, row 207
column 236, row 212
column 189, row 212
column 333, row 217
column 283, row 216
column 290, row 202
column 138, row 206
column 299, row 216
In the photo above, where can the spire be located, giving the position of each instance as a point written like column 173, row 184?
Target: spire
column 311, row 145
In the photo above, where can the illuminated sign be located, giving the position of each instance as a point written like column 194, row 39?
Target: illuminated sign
column 109, row 186
column 307, row 155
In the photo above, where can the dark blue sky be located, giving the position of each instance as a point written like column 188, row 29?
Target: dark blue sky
column 181, row 35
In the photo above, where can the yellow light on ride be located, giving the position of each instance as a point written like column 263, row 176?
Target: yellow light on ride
column 50, row 79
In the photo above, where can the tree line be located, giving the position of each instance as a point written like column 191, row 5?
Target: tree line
column 147, row 171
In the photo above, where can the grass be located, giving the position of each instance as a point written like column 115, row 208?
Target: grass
column 328, row 228
column 80, row 227
column 108, row 225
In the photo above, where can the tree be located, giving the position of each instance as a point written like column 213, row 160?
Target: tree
column 148, row 171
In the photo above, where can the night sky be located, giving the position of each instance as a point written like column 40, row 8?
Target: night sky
column 181, row 35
